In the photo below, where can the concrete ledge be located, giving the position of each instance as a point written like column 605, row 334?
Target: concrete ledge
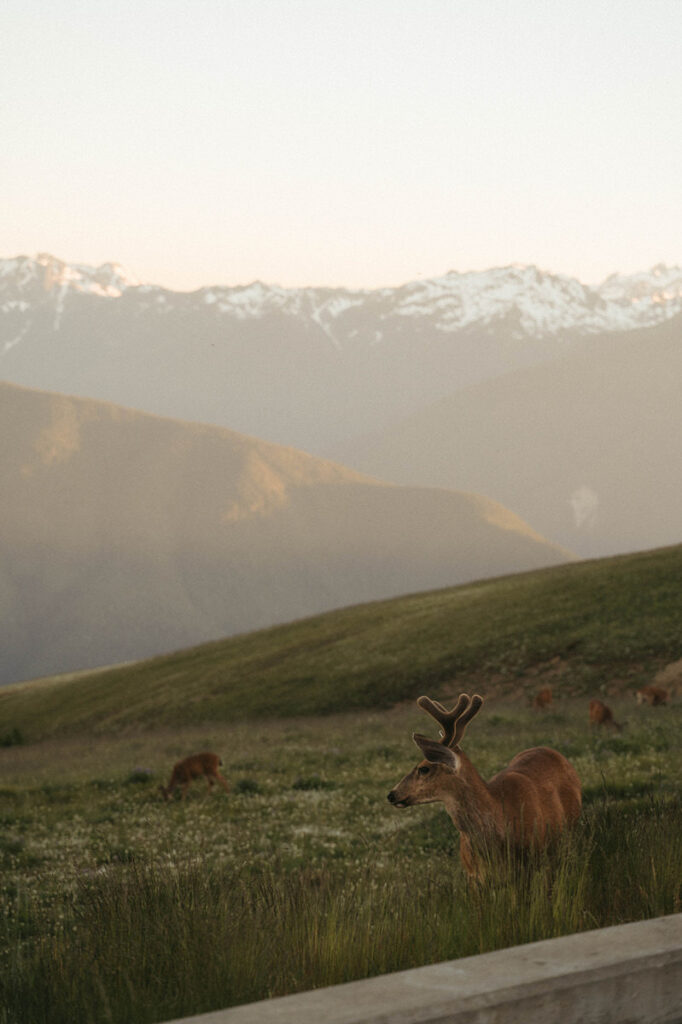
column 628, row 974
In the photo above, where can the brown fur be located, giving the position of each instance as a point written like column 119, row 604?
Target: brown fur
column 535, row 797
column 543, row 698
column 652, row 695
column 194, row 767
column 601, row 714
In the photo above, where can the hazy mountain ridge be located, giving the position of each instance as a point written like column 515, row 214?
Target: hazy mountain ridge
column 307, row 367
column 586, row 448
column 126, row 535
column 543, row 303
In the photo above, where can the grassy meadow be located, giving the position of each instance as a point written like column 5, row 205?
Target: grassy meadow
column 116, row 906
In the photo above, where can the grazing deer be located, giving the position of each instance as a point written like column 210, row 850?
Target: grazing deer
column 652, row 695
column 192, row 768
column 601, row 714
column 536, row 796
column 543, row 698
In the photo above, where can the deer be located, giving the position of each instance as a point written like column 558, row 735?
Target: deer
column 543, row 698
column 652, row 695
column 194, row 767
column 523, row 807
column 601, row 714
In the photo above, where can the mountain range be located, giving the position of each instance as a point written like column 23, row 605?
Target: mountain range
column 308, row 367
column 541, row 302
column 126, row 535
column 557, row 400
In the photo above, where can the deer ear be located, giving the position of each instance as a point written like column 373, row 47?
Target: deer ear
column 435, row 752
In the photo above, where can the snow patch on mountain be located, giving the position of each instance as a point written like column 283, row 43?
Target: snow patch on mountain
column 659, row 287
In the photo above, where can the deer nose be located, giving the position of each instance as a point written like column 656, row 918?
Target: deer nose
column 391, row 797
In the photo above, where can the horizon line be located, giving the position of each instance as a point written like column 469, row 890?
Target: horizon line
column 43, row 258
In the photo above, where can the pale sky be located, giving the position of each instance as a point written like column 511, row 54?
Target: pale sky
column 342, row 142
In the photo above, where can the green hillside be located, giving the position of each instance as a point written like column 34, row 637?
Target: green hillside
column 608, row 624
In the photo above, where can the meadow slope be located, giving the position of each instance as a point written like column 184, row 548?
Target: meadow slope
column 602, row 626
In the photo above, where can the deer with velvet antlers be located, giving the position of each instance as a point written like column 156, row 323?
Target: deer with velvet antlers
column 523, row 807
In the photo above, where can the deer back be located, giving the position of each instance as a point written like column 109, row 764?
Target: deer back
column 652, row 695
column 543, row 698
column 540, row 792
column 601, row 714
column 193, row 767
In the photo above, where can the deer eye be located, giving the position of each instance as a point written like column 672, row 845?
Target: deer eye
column 424, row 769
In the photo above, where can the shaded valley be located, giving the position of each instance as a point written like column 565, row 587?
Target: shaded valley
column 126, row 535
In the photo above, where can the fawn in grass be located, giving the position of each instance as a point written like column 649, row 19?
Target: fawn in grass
column 194, row 767
column 652, row 695
column 543, row 698
column 523, row 807
column 601, row 714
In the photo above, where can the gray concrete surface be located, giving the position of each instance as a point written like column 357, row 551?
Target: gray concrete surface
column 628, row 974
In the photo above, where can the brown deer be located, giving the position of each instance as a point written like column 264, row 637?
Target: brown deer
column 601, row 714
column 543, row 698
column 194, row 767
column 652, row 695
column 527, row 803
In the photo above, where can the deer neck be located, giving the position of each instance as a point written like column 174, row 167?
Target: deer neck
column 470, row 804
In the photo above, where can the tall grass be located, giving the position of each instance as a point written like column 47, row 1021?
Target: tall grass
column 144, row 943
column 116, row 906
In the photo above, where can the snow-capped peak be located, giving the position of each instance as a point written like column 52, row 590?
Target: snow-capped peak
column 46, row 273
column 109, row 280
column 539, row 302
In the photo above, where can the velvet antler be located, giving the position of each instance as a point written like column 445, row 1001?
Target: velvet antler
column 453, row 723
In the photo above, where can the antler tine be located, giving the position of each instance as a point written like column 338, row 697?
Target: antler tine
column 474, row 707
column 446, row 719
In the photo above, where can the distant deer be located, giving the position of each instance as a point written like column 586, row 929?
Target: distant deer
column 536, row 796
column 601, row 714
column 195, row 767
column 652, row 695
column 543, row 698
